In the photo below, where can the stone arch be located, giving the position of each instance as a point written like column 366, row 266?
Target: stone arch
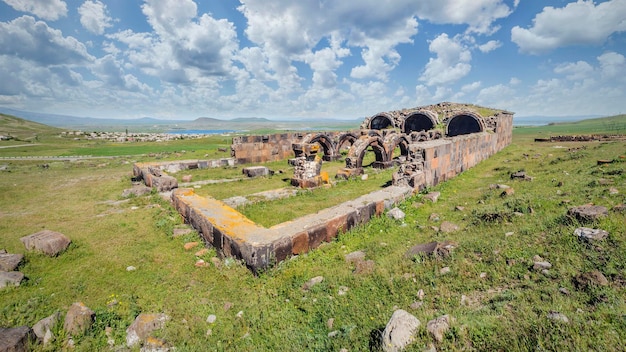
column 394, row 140
column 381, row 121
column 325, row 142
column 357, row 151
column 464, row 123
column 345, row 139
column 421, row 120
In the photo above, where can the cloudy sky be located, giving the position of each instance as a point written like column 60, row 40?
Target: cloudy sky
column 185, row 59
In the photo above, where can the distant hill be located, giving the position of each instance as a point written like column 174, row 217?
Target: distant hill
column 23, row 129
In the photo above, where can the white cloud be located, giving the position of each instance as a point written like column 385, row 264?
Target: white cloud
column 471, row 87
column 612, row 65
column 489, row 46
column 451, row 63
column 478, row 14
column 46, row 9
column 575, row 70
column 33, row 40
column 578, row 23
column 514, row 81
column 94, row 16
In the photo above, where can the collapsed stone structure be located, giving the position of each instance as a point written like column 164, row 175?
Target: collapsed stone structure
column 428, row 144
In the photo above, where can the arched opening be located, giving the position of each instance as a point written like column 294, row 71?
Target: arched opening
column 397, row 147
column 464, row 124
column 344, row 143
column 419, row 122
column 357, row 153
column 325, row 142
column 380, row 122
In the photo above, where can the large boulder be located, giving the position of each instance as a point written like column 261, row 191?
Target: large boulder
column 78, row 319
column 588, row 212
column 10, row 278
column 400, row 331
column 49, row 242
column 15, row 339
column 143, row 326
column 8, row 261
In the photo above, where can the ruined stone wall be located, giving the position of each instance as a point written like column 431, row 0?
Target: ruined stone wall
column 446, row 158
column 271, row 147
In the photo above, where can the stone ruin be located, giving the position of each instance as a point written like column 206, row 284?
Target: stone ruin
column 428, row 144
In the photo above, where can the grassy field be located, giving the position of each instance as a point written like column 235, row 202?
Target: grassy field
column 496, row 298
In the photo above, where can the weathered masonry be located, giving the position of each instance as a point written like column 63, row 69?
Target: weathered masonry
column 428, row 145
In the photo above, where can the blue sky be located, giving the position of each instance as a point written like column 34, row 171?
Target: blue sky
column 183, row 59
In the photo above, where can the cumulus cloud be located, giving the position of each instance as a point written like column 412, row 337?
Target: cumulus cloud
column 478, row 14
column 612, row 65
column 489, row 46
column 94, row 16
column 35, row 41
column 575, row 70
column 46, row 9
column 451, row 63
column 578, row 23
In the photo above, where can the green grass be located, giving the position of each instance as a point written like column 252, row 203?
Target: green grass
column 505, row 310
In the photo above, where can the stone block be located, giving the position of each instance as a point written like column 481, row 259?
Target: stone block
column 49, row 242
column 15, row 339
column 300, row 243
column 10, row 278
column 255, row 171
column 8, row 261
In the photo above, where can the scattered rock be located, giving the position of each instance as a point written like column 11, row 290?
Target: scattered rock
column 137, row 191
column 255, row 171
column 181, row 232
column 433, row 217
column 556, row 316
column 396, row 214
column 521, row 175
column 201, row 252
column 590, row 234
column 483, row 275
column 507, row 192
column 364, row 177
column 333, row 333
column 143, row 326
column 588, row 212
column 542, row 265
column 153, row 344
column 343, row 290
column 49, row 242
column 564, row 291
column 400, row 331
column 130, row 268
column 447, row 227
column 364, row 267
column 355, row 257
column 592, row 278
column 200, row 263
column 15, row 339
column 211, row 319
column 78, row 319
column 216, row 262
column 330, row 322
column 43, row 328
column 613, row 191
column 498, row 186
column 420, row 294
column 416, row 305
column 438, row 327
column 436, row 249
column 239, row 314
column 10, row 278
column 433, row 196
column 227, row 306
column 186, row 178
column 444, row 270
column 605, row 182
column 9, row 262
column 620, row 208
column 190, row 245
column 314, row 281
column 459, row 208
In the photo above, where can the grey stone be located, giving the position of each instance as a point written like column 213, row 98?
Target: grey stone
column 592, row 278
column 396, row 214
column 15, row 339
column 447, row 227
column 436, row 249
column 588, row 212
column 314, row 281
column 49, row 242
column 587, row 233
column 400, row 331
column 43, row 328
column 137, row 191
column 255, row 171
column 10, row 278
column 8, row 262
column 143, row 326
column 364, row 267
column 164, row 183
column 438, row 327
column 433, row 196
column 556, row 316
column 542, row 265
column 78, row 319
column 355, row 257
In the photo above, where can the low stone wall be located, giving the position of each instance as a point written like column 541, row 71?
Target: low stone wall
column 232, row 234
